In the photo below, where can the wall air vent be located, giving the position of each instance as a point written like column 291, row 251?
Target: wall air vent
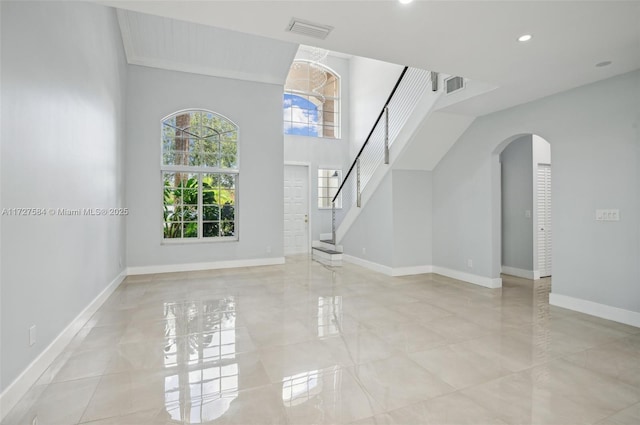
column 453, row 84
column 310, row 29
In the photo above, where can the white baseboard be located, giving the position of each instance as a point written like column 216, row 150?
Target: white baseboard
column 368, row 264
column 389, row 271
column 405, row 271
column 14, row 392
column 189, row 267
column 411, row 270
column 513, row 271
column 603, row 311
column 468, row 277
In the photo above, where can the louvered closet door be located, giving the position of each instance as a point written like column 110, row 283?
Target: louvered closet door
column 544, row 219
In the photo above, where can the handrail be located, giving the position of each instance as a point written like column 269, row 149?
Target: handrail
column 344, row 180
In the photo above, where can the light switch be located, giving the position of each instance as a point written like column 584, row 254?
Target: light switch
column 608, row 215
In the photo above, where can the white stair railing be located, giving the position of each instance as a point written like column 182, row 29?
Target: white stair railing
column 402, row 101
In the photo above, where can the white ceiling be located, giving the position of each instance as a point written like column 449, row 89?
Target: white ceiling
column 475, row 39
column 183, row 46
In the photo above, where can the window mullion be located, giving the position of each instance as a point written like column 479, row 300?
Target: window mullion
column 200, row 207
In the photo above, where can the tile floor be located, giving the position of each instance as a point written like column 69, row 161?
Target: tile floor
column 305, row 344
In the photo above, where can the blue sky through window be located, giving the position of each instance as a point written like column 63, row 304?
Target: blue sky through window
column 301, row 116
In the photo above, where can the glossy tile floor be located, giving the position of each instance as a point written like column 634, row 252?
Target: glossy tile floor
column 304, row 344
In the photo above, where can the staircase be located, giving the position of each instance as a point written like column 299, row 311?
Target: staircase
column 411, row 99
column 411, row 132
column 410, row 102
column 326, row 252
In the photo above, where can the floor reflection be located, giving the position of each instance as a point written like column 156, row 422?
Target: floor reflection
column 541, row 322
column 329, row 316
column 301, row 387
column 205, row 376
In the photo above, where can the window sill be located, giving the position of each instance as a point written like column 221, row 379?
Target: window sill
column 314, row 137
column 196, row 241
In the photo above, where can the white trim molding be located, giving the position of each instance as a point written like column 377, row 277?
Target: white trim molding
column 603, row 311
column 19, row 387
column 368, row 264
column 487, row 282
column 411, row 270
column 189, row 267
column 389, row 271
column 513, row 271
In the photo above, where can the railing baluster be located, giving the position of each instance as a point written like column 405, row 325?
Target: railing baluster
column 333, row 222
column 358, row 202
column 386, row 135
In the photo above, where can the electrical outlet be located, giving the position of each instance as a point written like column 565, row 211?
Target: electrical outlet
column 268, row 249
column 32, row 335
column 527, row 213
column 470, row 263
column 364, row 250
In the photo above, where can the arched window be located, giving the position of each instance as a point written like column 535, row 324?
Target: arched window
column 312, row 101
column 199, row 176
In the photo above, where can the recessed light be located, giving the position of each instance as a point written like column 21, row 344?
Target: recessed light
column 603, row 63
column 525, row 37
column 405, row 1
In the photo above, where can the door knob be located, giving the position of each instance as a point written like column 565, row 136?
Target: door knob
column 306, row 218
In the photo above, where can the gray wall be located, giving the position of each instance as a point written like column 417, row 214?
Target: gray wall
column 394, row 227
column 412, row 205
column 63, row 80
column 373, row 229
column 257, row 109
column 371, row 84
column 517, row 198
column 595, row 146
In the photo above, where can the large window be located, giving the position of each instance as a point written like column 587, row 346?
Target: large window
column 312, row 101
column 328, row 185
column 199, row 176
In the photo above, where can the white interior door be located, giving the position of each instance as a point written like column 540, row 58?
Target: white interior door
column 296, row 209
column 544, row 219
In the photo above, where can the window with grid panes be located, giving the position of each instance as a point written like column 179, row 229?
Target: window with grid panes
column 328, row 185
column 199, row 176
column 312, row 101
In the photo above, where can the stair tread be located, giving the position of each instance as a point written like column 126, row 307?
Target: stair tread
column 328, row 251
column 329, row 241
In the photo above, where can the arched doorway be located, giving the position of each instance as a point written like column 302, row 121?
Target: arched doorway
column 522, row 207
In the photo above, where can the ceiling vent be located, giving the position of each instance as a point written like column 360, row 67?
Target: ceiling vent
column 310, row 29
column 453, row 84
